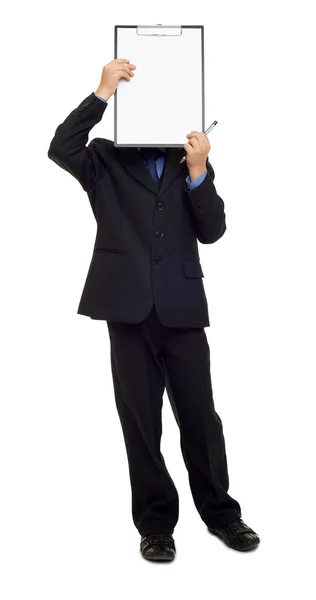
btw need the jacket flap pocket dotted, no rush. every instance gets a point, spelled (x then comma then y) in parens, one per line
(109, 251)
(192, 268)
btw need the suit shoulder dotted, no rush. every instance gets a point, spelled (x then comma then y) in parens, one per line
(101, 144)
(103, 147)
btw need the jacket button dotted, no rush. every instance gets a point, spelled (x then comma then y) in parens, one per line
(159, 234)
(158, 260)
(160, 205)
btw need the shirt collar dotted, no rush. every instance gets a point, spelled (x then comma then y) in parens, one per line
(163, 149)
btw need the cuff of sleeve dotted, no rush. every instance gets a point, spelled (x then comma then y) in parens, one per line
(193, 184)
(103, 99)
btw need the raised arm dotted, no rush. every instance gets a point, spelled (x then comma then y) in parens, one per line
(68, 148)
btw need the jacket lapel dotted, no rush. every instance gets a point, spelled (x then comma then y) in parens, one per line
(135, 165)
(172, 168)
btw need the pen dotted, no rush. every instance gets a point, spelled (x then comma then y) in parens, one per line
(207, 131)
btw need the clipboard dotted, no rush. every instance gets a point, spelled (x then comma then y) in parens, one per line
(165, 98)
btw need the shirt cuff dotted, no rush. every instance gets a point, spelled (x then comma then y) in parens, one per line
(193, 184)
(103, 99)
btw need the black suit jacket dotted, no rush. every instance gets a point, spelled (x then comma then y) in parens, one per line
(146, 247)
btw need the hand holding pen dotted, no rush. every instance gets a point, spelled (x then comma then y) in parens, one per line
(195, 145)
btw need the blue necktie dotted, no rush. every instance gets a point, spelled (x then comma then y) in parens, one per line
(150, 155)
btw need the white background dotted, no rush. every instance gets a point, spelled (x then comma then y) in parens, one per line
(66, 526)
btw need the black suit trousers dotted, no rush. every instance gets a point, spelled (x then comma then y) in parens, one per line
(146, 359)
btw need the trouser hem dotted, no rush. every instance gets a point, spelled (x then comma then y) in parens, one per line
(223, 519)
(151, 531)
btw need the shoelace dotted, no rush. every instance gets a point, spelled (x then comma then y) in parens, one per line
(154, 538)
(238, 527)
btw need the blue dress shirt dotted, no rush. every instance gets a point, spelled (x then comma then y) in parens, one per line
(160, 165)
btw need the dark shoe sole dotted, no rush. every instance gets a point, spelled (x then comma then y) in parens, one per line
(158, 558)
(250, 547)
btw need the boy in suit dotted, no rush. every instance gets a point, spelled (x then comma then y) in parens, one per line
(145, 280)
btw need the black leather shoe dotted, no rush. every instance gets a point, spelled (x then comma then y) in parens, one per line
(236, 535)
(158, 546)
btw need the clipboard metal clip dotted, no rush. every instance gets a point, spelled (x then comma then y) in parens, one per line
(158, 29)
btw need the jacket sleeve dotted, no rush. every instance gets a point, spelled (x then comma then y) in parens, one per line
(68, 147)
(207, 209)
